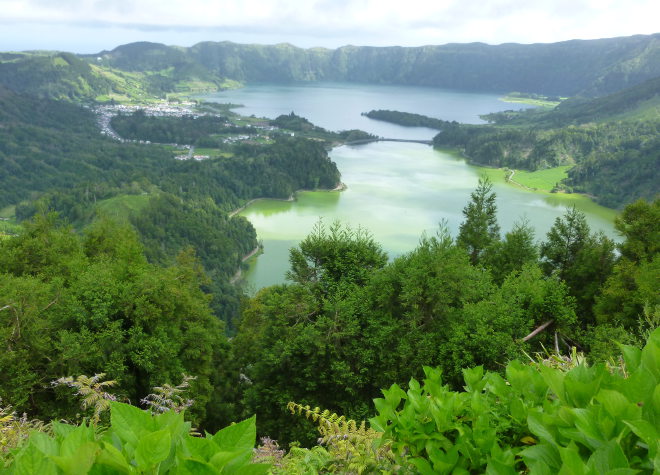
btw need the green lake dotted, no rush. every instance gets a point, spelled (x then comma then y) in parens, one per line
(397, 191)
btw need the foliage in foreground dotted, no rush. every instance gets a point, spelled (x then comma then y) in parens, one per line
(138, 442)
(588, 420)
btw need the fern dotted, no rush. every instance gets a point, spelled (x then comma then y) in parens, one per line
(350, 444)
(170, 398)
(92, 390)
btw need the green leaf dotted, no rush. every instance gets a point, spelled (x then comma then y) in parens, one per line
(645, 431)
(80, 461)
(423, 466)
(113, 458)
(536, 426)
(241, 436)
(581, 385)
(222, 459)
(443, 461)
(195, 467)
(198, 448)
(608, 457)
(554, 378)
(618, 405)
(394, 395)
(253, 469)
(61, 429)
(129, 422)
(44, 443)
(651, 355)
(30, 461)
(586, 422)
(544, 455)
(572, 463)
(632, 356)
(153, 448)
(474, 378)
(75, 439)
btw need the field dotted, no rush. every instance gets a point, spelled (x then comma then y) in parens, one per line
(123, 206)
(544, 180)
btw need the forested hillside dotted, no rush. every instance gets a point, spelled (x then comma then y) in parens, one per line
(54, 158)
(612, 141)
(480, 352)
(593, 67)
(455, 314)
(138, 70)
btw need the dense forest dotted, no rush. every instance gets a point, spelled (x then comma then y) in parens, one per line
(139, 70)
(124, 337)
(568, 68)
(348, 324)
(612, 142)
(53, 158)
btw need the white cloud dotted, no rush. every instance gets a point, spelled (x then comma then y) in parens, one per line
(327, 22)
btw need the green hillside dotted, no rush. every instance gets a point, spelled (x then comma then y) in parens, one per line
(590, 67)
(612, 142)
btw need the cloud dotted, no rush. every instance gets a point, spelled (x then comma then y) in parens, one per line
(335, 22)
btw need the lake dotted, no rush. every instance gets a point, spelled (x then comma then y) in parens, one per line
(397, 191)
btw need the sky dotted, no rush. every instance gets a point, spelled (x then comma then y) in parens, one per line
(90, 26)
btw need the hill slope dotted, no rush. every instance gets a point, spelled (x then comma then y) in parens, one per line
(592, 67)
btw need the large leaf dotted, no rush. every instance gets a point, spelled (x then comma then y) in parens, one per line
(198, 448)
(195, 467)
(75, 439)
(30, 461)
(221, 459)
(152, 449)
(582, 384)
(544, 455)
(113, 459)
(536, 426)
(44, 443)
(80, 461)
(129, 422)
(241, 436)
(651, 355)
(618, 405)
(608, 457)
(632, 356)
(253, 469)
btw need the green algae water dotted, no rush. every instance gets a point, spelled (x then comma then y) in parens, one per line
(397, 191)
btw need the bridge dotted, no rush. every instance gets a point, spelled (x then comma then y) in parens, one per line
(363, 141)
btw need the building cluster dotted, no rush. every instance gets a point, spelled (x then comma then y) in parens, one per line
(105, 113)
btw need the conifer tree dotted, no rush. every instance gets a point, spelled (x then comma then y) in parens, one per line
(480, 230)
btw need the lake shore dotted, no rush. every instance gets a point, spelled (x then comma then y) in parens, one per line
(340, 187)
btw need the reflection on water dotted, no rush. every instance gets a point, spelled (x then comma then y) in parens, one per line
(398, 191)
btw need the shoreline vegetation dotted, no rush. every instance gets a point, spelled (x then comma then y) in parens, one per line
(340, 187)
(537, 100)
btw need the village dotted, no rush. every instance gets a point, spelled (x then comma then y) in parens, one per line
(105, 113)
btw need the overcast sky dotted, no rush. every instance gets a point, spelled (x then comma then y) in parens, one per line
(88, 26)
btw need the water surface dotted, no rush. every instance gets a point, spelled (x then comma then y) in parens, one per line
(398, 191)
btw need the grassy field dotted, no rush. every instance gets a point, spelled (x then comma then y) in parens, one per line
(123, 206)
(544, 180)
(531, 101)
(212, 152)
(8, 211)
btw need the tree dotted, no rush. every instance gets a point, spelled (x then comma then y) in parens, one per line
(513, 252)
(632, 290)
(581, 259)
(96, 306)
(328, 259)
(480, 229)
(639, 224)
